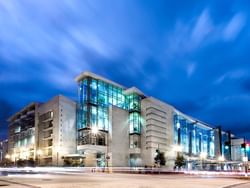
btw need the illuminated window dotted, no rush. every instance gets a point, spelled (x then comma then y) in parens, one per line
(134, 122)
(134, 141)
(18, 129)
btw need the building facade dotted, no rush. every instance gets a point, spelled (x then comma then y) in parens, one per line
(114, 126)
(21, 133)
(55, 131)
(120, 126)
(43, 132)
(3, 149)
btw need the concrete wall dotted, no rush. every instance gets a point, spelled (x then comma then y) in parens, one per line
(67, 124)
(157, 131)
(64, 129)
(119, 137)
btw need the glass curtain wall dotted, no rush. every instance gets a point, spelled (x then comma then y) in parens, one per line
(225, 150)
(95, 96)
(194, 138)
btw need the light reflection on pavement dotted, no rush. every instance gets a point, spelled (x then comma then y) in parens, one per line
(69, 179)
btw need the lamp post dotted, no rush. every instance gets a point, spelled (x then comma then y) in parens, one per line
(203, 156)
(58, 149)
(107, 152)
(95, 131)
(179, 159)
(221, 159)
(26, 155)
(245, 160)
(57, 158)
(39, 152)
(14, 157)
(7, 156)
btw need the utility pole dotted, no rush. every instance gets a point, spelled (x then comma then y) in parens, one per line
(245, 160)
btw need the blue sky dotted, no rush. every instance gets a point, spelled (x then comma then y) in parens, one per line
(191, 54)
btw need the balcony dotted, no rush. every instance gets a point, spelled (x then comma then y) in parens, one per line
(31, 112)
(47, 128)
(17, 120)
(47, 137)
(46, 120)
(23, 116)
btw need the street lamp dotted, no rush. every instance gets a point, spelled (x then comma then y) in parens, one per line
(221, 159)
(57, 155)
(203, 155)
(26, 154)
(177, 148)
(39, 152)
(7, 156)
(107, 151)
(245, 160)
(14, 158)
(94, 130)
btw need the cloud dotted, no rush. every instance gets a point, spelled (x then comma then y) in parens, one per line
(154, 46)
(234, 27)
(191, 69)
(232, 75)
(92, 41)
(202, 27)
(190, 35)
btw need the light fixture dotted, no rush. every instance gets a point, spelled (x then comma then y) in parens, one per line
(221, 158)
(203, 155)
(94, 130)
(245, 159)
(177, 148)
(39, 152)
(7, 156)
(178, 125)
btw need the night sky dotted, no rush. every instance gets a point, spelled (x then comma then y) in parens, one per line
(192, 54)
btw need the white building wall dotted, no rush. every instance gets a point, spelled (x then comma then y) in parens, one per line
(157, 131)
(119, 137)
(64, 130)
(67, 127)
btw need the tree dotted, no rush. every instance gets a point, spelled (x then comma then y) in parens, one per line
(180, 161)
(160, 158)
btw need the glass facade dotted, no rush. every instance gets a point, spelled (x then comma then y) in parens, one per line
(95, 97)
(193, 138)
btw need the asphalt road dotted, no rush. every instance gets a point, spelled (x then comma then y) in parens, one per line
(103, 180)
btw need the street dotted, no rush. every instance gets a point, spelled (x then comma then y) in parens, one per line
(115, 180)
